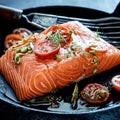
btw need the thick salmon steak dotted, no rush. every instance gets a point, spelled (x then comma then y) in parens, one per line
(59, 56)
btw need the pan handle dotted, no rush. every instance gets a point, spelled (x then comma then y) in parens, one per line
(10, 13)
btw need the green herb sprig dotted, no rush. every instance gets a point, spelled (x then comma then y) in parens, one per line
(75, 96)
(56, 38)
(97, 34)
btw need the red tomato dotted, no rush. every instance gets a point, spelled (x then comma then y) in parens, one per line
(116, 82)
(22, 32)
(46, 49)
(63, 31)
(95, 93)
(11, 39)
(17, 34)
(51, 40)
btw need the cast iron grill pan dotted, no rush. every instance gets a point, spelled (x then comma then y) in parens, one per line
(109, 29)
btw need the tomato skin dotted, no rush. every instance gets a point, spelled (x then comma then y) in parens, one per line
(45, 49)
(17, 34)
(24, 32)
(116, 82)
(64, 31)
(95, 93)
(51, 40)
(13, 37)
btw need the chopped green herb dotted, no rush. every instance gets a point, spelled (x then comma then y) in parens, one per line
(75, 93)
(70, 53)
(94, 70)
(95, 60)
(20, 51)
(74, 46)
(23, 49)
(17, 58)
(92, 52)
(58, 57)
(101, 93)
(85, 94)
(30, 50)
(97, 34)
(56, 37)
(70, 31)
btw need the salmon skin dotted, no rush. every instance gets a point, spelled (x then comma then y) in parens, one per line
(84, 54)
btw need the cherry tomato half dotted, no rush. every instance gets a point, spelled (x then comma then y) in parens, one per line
(60, 32)
(10, 39)
(24, 32)
(95, 93)
(46, 49)
(116, 82)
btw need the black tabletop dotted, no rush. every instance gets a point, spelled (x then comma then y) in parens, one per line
(10, 112)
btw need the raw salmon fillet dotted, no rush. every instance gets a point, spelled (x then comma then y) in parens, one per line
(84, 56)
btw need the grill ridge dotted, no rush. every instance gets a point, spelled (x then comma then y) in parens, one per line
(108, 27)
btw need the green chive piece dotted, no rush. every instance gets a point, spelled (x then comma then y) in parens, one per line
(85, 94)
(94, 70)
(17, 58)
(97, 34)
(92, 52)
(101, 93)
(70, 31)
(30, 50)
(20, 51)
(75, 93)
(17, 50)
(74, 46)
(95, 60)
(57, 57)
(23, 49)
